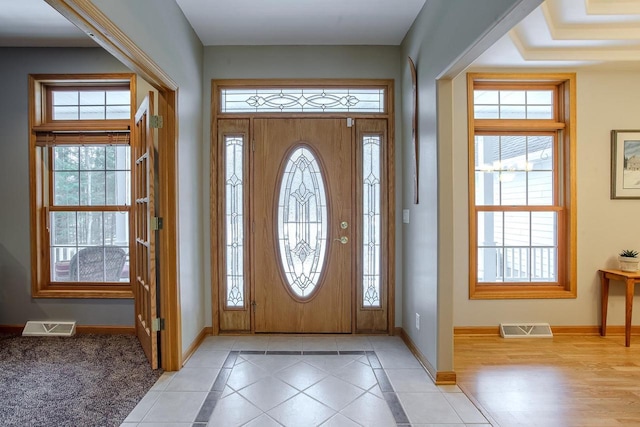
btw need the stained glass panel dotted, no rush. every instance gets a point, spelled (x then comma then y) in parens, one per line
(234, 220)
(371, 210)
(302, 222)
(307, 100)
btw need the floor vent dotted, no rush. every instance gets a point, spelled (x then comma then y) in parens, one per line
(49, 329)
(525, 330)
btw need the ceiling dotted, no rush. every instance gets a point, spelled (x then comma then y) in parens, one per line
(560, 33)
(310, 22)
(572, 33)
(33, 23)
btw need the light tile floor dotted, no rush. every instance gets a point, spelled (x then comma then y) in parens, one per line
(302, 381)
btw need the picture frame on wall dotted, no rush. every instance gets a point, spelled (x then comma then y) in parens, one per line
(625, 164)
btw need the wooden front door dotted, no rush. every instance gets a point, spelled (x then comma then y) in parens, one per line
(303, 238)
(144, 280)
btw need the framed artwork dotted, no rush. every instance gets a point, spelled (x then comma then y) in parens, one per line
(625, 164)
(414, 132)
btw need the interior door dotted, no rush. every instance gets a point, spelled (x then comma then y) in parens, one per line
(303, 231)
(145, 264)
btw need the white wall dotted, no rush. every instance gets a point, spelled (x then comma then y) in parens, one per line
(160, 29)
(606, 101)
(16, 304)
(300, 62)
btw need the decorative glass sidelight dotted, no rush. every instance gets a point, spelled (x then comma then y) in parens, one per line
(234, 220)
(371, 227)
(302, 222)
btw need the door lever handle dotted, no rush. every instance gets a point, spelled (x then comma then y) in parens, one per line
(344, 240)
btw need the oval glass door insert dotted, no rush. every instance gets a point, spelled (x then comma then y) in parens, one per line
(302, 222)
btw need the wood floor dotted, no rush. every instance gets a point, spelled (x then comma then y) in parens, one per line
(563, 381)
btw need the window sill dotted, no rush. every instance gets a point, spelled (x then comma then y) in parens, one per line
(101, 292)
(495, 292)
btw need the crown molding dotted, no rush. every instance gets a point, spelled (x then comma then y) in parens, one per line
(579, 32)
(600, 54)
(613, 7)
(612, 31)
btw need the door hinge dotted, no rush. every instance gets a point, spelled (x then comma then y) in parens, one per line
(253, 145)
(253, 305)
(156, 223)
(158, 324)
(156, 122)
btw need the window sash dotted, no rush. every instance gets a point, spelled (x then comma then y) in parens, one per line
(82, 88)
(514, 245)
(61, 258)
(501, 166)
(117, 190)
(84, 235)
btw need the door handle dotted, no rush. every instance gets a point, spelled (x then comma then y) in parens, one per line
(344, 240)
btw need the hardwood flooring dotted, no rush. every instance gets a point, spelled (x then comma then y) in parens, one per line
(563, 381)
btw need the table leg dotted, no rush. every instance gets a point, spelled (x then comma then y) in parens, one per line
(629, 308)
(604, 301)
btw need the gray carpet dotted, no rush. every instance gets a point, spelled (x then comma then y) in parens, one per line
(86, 380)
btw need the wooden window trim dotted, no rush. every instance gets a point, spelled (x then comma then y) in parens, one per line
(565, 203)
(39, 179)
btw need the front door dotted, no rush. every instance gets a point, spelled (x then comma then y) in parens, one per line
(302, 211)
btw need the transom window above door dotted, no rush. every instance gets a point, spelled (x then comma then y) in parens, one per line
(316, 99)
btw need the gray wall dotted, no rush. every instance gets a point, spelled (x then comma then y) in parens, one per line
(16, 304)
(160, 29)
(441, 38)
(301, 62)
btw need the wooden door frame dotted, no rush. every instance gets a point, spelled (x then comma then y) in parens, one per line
(216, 187)
(86, 16)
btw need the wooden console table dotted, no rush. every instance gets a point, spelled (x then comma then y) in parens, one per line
(629, 278)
